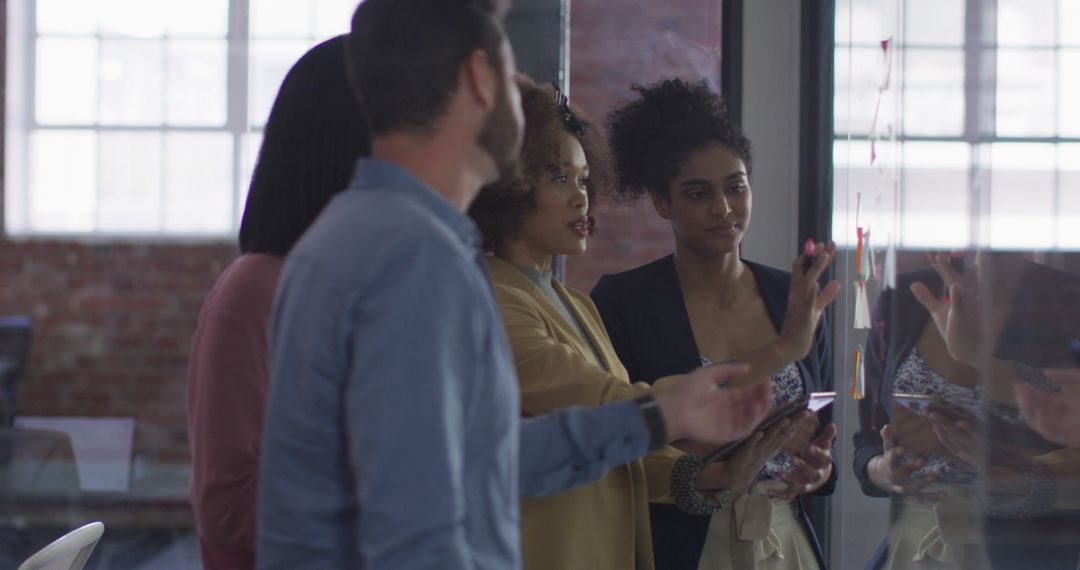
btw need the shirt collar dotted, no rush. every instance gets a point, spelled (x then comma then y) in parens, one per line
(373, 174)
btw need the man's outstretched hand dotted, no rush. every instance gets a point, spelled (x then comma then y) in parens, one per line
(700, 408)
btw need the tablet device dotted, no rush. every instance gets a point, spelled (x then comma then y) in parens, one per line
(820, 400)
(923, 404)
(815, 402)
(917, 403)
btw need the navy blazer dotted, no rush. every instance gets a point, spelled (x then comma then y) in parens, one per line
(898, 320)
(645, 316)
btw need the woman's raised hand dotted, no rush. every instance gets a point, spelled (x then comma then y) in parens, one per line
(807, 300)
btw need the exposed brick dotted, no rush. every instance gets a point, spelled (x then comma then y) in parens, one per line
(614, 43)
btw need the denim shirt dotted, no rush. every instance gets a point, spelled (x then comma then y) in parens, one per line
(393, 436)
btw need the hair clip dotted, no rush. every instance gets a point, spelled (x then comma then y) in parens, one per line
(570, 120)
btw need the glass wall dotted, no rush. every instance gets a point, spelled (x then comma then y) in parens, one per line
(953, 190)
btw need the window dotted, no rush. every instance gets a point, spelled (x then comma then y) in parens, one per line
(143, 117)
(909, 175)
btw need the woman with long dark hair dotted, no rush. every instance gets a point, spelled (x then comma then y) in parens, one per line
(313, 138)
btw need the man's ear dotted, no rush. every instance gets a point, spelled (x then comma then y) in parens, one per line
(662, 205)
(479, 78)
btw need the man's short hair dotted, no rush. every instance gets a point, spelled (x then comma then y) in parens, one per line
(405, 56)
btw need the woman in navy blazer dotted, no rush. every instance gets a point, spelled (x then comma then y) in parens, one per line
(706, 304)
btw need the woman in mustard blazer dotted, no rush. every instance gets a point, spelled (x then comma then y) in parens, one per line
(562, 353)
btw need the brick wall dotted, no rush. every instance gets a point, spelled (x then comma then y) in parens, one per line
(112, 329)
(613, 44)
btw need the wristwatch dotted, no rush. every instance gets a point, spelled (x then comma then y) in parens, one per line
(654, 421)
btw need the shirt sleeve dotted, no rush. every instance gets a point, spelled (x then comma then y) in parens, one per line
(413, 352)
(228, 383)
(577, 446)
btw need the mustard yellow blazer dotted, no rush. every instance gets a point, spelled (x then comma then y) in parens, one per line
(604, 525)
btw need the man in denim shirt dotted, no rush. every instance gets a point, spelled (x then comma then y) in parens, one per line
(393, 435)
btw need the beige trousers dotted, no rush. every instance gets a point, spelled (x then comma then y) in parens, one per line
(757, 533)
(940, 536)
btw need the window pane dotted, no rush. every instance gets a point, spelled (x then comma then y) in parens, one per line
(133, 18)
(333, 17)
(66, 66)
(935, 206)
(857, 84)
(66, 16)
(1069, 83)
(1069, 22)
(198, 182)
(280, 18)
(1022, 195)
(62, 196)
(130, 192)
(197, 18)
(1026, 22)
(934, 92)
(864, 195)
(934, 22)
(270, 61)
(1068, 221)
(196, 91)
(864, 22)
(1025, 92)
(131, 82)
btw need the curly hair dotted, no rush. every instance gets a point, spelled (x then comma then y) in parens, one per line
(500, 209)
(651, 136)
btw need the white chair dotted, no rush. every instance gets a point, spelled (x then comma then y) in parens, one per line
(69, 552)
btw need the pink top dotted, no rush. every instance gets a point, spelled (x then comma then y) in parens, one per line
(228, 380)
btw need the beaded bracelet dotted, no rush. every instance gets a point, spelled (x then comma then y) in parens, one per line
(1040, 498)
(683, 494)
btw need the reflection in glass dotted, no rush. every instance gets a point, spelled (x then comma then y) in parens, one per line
(934, 92)
(198, 182)
(195, 83)
(62, 199)
(66, 66)
(131, 82)
(129, 196)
